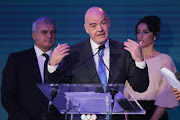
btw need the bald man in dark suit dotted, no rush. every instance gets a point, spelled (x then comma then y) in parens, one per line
(125, 61)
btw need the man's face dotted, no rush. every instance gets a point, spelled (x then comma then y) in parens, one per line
(45, 36)
(97, 26)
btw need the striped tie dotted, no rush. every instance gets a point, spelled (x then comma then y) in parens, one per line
(102, 69)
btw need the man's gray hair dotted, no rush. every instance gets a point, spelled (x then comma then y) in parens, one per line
(42, 19)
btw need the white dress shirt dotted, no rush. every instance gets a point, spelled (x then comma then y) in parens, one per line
(106, 56)
(41, 59)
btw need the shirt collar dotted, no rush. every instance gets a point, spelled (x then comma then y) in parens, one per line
(95, 46)
(39, 52)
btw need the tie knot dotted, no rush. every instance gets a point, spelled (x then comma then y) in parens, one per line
(46, 56)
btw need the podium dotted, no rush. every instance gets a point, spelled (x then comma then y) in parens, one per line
(77, 99)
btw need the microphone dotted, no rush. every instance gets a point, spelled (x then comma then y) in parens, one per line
(54, 90)
(101, 47)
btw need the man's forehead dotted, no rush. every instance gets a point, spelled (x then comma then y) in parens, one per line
(96, 18)
(45, 26)
(97, 21)
(96, 15)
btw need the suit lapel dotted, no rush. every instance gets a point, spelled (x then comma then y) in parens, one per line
(89, 66)
(35, 66)
(114, 56)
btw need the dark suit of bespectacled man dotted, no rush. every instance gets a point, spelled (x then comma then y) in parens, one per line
(21, 97)
(125, 61)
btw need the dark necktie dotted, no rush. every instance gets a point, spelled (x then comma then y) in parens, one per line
(45, 67)
(102, 69)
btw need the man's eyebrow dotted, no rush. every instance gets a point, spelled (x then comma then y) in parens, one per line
(43, 30)
(96, 23)
(104, 20)
(93, 24)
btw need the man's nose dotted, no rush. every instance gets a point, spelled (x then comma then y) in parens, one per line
(100, 29)
(49, 35)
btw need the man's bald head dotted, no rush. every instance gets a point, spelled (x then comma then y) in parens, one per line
(94, 11)
(97, 25)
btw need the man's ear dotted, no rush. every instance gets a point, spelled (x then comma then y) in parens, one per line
(86, 29)
(33, 35)
(109, 22)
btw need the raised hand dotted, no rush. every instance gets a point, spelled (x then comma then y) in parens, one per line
(176, 93)
(135, 49)
(61, 51)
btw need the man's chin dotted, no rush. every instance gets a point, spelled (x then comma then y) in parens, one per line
(103, 40)
(48, 47)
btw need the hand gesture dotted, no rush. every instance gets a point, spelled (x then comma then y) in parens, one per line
(176, 93)
(135, 49)
(61, 51)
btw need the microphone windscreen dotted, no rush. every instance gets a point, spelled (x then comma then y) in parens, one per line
(101, 47)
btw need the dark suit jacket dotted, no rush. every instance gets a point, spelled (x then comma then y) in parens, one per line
(21, 97)
(73, 69)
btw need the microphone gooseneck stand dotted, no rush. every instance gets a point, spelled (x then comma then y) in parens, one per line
(112, 91)
(54, 92)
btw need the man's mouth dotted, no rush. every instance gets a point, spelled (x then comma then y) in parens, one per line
(49, 40)
(101, 34)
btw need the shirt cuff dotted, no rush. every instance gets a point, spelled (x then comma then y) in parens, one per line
(51, 69)
(140, 65)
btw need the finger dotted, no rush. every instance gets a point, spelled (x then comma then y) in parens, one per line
(58, 44)
(64, 51)
(177, 96)
(128, 49)
(140, 43)
(133, 42)
(65, 44)
(62, 48)
(132, 47)
(127, 44)
(62, 45)
(174, 89)
(175, 93)
(64, 55)
(56, 49)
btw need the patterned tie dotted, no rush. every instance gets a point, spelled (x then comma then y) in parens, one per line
(102, 69)
(45, 67)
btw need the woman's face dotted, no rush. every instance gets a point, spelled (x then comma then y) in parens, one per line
(144, 35)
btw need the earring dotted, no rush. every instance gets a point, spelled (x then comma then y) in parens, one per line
(154, 41)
